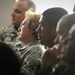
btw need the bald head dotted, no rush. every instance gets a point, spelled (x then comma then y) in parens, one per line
(65, 23)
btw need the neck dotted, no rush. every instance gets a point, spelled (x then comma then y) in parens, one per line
(16, 28)
(30, 39)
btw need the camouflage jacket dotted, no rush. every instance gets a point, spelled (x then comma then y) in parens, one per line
(10, 36)
(30, 56)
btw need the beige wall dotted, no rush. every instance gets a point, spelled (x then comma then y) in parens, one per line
(6, 7)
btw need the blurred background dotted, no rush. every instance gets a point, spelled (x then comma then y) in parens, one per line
(6, 7)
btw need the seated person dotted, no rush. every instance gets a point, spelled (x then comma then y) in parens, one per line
(63, 27)
(33, 50)
(47, 33)
(69, 54)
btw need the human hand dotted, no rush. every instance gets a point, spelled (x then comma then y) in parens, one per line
(50, 57)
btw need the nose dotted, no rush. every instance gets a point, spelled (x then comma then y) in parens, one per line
(12, 14)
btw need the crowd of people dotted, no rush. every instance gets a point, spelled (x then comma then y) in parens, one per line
(38, 43)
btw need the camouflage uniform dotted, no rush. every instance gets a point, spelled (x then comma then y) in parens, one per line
(30, 56)
(9, 35)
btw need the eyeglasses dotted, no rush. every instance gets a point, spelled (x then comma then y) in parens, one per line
(41, 23)
(41, 26)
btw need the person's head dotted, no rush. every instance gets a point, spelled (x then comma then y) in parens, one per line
(19, 9)
(27, 30)
(63, 27)
(9, 61)
(48, 21)
(69, 54)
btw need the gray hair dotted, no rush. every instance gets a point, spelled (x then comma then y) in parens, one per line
(31, 5)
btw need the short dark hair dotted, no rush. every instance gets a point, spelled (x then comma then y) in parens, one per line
(52, 15)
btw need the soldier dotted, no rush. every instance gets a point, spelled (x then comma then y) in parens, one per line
(69, 55)
(34, 50)
(62, 29)
(47, 33)
(9, 33)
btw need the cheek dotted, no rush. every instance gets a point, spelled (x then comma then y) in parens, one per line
(25, 31)
(44, 31)
(43, 34)
(20, 18)
(65, 50)
(69, 52)
(22, 31)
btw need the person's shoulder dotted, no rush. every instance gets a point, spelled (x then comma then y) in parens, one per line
(6, 29)
(10, 33)
(36, 50)
(38, 47)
